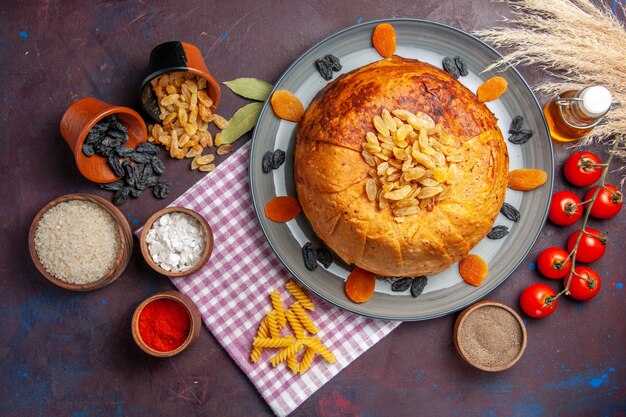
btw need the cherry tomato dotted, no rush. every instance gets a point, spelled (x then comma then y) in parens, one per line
(579, 171)
(608, 203)
(585, 283)
(538, 301)
(592, 245)
(552, 263)
(565, 208)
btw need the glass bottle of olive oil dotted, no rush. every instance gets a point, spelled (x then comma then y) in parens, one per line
(573, 114)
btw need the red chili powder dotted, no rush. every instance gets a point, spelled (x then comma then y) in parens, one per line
(164, 324)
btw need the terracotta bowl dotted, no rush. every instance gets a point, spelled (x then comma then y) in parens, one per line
(208, 247)
(78, 120)
(463, 350)
(175, 56)
(194, 328)
(123, 256)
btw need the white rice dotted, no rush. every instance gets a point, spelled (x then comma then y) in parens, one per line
(77, 241)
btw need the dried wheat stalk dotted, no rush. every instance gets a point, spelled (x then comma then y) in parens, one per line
(578, 43)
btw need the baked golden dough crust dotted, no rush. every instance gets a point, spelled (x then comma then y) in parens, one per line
(330, 172)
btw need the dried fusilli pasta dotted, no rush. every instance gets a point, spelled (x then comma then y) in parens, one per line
(272, 323)
(300, 295)
(286, 352)
(304, 318)
(263, 331)
(277, 303)
(295, 324)
(292, 363)
(316, 344)
(272, 342)
(306, 360)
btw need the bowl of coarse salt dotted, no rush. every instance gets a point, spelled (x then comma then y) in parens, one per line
(176, 241)
(80, 242)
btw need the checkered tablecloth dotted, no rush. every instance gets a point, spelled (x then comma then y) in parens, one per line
(232, 291)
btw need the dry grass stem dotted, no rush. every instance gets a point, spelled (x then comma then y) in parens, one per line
(577, 42)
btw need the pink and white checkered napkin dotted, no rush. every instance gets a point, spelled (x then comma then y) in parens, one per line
(232, 290)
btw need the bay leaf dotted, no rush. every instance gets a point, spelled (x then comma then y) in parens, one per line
(242, 121)
(251, 88)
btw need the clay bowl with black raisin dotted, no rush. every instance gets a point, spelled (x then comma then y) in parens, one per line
(78, 120)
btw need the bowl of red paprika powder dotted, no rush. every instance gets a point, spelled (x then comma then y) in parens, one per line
(166, 323)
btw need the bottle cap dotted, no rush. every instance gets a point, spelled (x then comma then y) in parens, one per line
(595, 101)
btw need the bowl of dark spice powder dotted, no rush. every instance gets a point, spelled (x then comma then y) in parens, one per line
(80, 242)
(490, 336)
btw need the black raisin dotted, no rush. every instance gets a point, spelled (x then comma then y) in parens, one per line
(266, 164)
(147, 148)
(88, 150)
(135, 192)
(151, 181)
(137, 172)
(93, 137)
(461, 66)
(162, 189)
(140, 158)
(510, 212)
(324, 69)
(116, 166)
(516, 124)
(278, 158)
(498, 232)
(117, 136)
(117, 125)
(103, 149)
(324, 257)
(333, 62)
(418, 284)
(157, 165)
(401, 284)
(310, 256)
(450, 67)
(521, 136)
(123, 151)
(112, 186)
(121, 196)
(128, 167)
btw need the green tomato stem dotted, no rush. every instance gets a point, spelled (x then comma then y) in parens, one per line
(605, 171)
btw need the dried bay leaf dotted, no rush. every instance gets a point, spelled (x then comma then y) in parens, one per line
(242, 121)
(251, 88)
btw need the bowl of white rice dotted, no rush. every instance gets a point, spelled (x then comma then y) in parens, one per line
(80, 242)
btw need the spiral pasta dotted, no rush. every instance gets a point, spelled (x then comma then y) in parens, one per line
(306, 360)
(272, 324)
(292, 363)
(272, 342)
(318, 347)
(300, 295)
(268, 334)
(304, 318)
(263, 331)
(296, 326)
(285, 353)
(277, 303)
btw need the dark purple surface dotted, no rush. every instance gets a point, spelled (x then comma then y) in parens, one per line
(72, 354)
